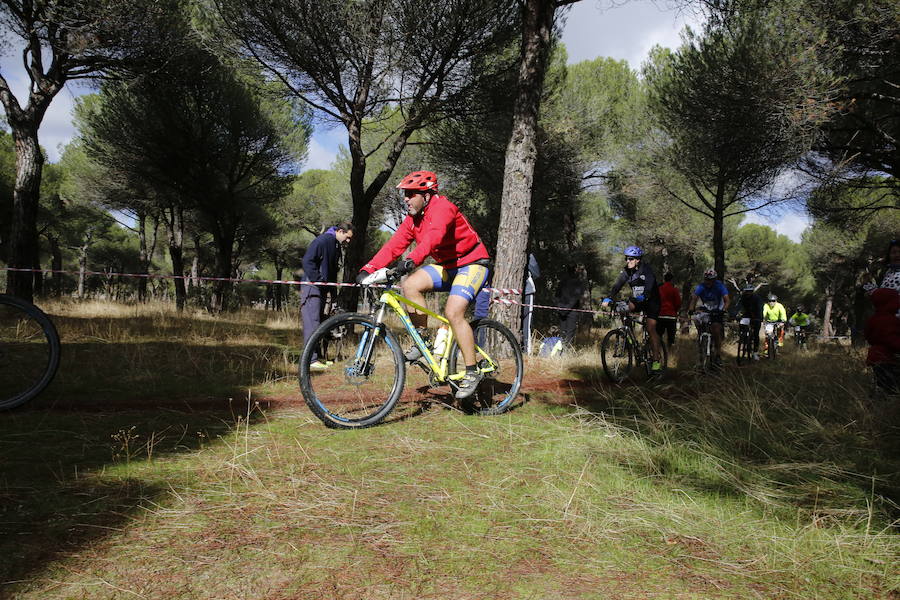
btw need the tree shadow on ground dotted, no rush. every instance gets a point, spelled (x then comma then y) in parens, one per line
(111, 404)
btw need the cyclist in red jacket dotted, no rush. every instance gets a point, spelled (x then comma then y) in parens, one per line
(461, 266)
(669, 305)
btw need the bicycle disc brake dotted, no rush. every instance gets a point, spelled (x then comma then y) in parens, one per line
(357, 374)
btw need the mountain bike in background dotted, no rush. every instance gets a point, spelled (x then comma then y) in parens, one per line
(621, 351)
(773, 334)
(29, 351)
(745, 342)
(800, 337)
(707, 360)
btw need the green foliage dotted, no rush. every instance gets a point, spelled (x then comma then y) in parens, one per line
(600, 109)
(759, 255)
(843, 257)
(736, 110)
(851, 202)
(204, 138)
(860, 46)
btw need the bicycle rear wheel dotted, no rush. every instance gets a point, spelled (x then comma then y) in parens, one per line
(616, 354)
(743, 349)
(365, 376)
(29, 351)
(499, 358)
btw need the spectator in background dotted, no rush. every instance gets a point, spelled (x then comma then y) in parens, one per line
(320, 264)
(669, 304)
(568, 297)
(532, 272)
(883, 335)
(891, 276)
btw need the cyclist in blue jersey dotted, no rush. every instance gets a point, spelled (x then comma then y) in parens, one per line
(713, 294)
(644, 296)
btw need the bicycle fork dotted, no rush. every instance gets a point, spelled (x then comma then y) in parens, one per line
(366, 346)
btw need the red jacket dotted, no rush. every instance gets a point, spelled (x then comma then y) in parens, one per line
(440, 231)
(883, 328)
(669, 300)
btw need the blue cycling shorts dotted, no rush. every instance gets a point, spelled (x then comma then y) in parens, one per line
(464, 281)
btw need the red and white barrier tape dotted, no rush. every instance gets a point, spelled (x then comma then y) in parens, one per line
(516, 302)
(499, 291)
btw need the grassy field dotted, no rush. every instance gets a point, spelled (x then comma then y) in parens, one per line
(173, 457)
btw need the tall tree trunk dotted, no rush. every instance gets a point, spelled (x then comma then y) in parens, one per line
(827, 329)
(82, 265)
(279, 288)
(224, 268)
(362, 213)
(719, 231)
(521, 155)
(195, 264)
(56, 263)
(175, 226)
(144, 259)
(38, 279)
(23, 244)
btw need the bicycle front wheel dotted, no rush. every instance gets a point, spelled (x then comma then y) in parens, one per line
(352, 372)
(498, 356)
(616, 355)
(704, 352)
(29, 351)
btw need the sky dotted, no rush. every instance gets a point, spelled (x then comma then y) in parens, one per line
(621, 29)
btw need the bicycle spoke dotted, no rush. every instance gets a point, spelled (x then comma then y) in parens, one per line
(616, 355)
(364, 375)
(499, 359)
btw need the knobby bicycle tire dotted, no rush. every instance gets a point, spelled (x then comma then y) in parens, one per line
(744, 352)
(352, 393)
(500, 386)
(616, 355)
(704, 351)
(773, 347)
(29, 351)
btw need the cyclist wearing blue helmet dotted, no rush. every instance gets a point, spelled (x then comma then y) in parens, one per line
(644, 295)
(713, 294)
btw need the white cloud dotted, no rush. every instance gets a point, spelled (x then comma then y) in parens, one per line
(323, 148)
(318, 156)
(56, 129)
(792, 224)
(624, 32)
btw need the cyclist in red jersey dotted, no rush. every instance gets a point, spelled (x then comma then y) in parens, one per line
(461, 266)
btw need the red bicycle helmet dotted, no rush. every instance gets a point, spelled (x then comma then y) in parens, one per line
(423, 181)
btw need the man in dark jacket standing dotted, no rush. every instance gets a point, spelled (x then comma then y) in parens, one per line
(320, 264)
(568, 297)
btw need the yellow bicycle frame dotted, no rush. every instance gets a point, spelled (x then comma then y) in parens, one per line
(439, 365)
